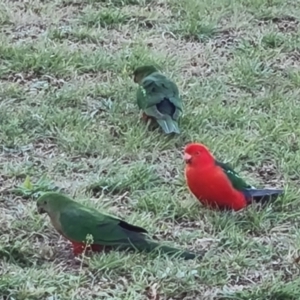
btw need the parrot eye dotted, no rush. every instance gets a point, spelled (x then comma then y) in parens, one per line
(45, 202)
(197, 153)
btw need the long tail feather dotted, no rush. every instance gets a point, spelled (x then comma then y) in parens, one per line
(262, 195)
(150, 246)
(173, 251)
(168, 125)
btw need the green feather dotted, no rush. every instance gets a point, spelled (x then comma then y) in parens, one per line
(168, 125)
(76, 221)
(250, 192)
(159, 98)
(236, 181)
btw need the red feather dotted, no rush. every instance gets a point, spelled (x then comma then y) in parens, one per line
(208, 182)
(78, 248)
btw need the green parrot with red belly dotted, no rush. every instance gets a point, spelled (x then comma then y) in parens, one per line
(75, 222)
(158, 97)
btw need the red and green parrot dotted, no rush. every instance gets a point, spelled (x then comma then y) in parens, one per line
(75, 222)
(158, 97)
(216, 185)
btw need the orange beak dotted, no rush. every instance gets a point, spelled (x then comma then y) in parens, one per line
(187, 158)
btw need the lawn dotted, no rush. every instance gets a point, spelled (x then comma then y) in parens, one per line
(69, 121)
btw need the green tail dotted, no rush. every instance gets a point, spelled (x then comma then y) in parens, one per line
(173, 251)
(150, 246)
(168, 125)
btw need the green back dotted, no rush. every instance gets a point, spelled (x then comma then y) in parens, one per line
(78, 221)
(236, 181)
(154, 89)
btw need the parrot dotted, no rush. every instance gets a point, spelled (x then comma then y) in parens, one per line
(158, 97)
(218, 186)
(75, 222)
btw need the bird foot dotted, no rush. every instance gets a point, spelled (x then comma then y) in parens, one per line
(145, 117)
(81, 248)
(78, 249)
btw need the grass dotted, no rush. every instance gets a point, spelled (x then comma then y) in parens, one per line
(69, 121)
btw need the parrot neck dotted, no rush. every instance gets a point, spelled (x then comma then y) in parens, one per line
(54, 217)
(139, 78)
(200, 164)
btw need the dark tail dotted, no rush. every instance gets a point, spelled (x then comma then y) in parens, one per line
(262, 195)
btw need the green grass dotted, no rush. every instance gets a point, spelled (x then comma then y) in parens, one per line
(68, 119)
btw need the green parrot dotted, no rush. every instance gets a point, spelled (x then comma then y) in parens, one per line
(158, 97)
(75, 222)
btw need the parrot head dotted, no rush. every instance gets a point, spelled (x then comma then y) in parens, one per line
(51, 202)
(141, 72)
(197, 154)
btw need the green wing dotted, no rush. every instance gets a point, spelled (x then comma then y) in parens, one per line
(236, 181)
(78, 221)
(153, 90)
